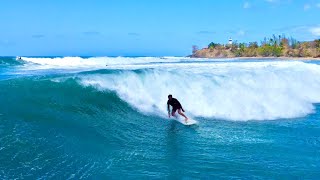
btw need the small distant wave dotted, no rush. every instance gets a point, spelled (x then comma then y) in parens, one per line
(103, 62)
(10, 61)
(93, 62)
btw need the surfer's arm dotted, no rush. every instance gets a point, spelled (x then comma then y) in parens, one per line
(168, 110)
(182, 109)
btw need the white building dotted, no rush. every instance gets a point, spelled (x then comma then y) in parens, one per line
(230, 41)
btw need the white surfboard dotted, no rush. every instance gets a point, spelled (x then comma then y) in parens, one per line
(184, 122)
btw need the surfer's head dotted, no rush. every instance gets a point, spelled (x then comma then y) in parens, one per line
(169, 96)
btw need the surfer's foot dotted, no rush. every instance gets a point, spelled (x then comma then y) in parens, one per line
(186, 119)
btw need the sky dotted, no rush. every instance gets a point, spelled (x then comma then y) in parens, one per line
(147, 27)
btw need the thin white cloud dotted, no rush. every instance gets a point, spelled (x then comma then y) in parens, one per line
(38, 36)
(315, 31)
(6, 43)
(271, 1)
(91, 33)
(241, 33)
(303, 31)
(306, 7)
(133, 34)
(246, 5)
(206, 32)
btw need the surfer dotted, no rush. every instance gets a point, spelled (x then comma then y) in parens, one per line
(175, 106)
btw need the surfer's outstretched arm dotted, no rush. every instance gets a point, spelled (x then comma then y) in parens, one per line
(168, 110)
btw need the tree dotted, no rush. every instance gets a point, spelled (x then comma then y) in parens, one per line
(253, 45)
(194, 49)
(293, 43)
(284, 42)
(213, 45)
(317, 43)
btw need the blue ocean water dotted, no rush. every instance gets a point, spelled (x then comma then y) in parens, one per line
(103, 117)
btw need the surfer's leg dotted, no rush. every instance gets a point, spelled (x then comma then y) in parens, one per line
(179, 111)
(173, 112)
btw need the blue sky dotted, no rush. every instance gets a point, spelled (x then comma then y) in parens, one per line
(147, 27)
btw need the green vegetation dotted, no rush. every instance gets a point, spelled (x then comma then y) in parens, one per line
(276, 46)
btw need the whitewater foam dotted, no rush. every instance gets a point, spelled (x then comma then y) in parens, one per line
(95, 62)
(233, 91)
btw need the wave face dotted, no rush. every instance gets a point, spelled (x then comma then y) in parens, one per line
(9, 61)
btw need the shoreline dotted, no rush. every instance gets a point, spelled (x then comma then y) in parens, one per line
(264, 58)
(282, 58)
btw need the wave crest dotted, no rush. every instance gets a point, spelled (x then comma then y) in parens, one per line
(244, 92)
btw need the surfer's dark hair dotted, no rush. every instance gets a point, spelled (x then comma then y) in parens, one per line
(169, 95)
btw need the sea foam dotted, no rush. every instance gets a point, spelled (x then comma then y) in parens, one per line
(226, 90)
(93, 62)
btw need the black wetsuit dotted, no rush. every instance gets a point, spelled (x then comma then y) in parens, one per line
(175, 104)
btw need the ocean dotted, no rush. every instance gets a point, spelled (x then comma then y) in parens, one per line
(106, 118)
